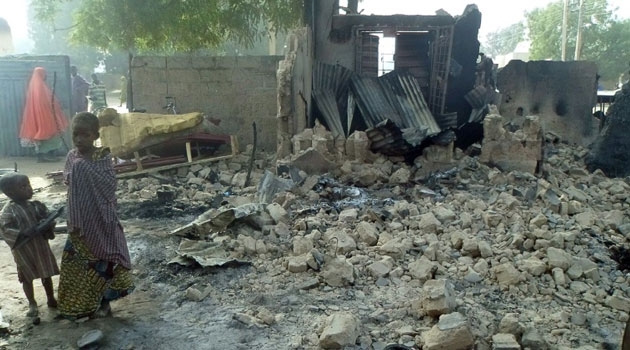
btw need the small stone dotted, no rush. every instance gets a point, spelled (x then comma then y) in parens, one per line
(618, 303)
(470, 247)
(302, 245)
(559, 258)
(438, 298)
(348, 215)
(509, 324)
(533, 340)
(400, 176)
(452, 332)
(485, 250)
(444, 215)
(422, 269)
(310, 283)
(534, 266)
(194, 294)
(338, 272)
(578, 319)
(277, 213)
(507, 274)
(380, 269)
(342, 330)
(90, 338)
(429, 223)
(473, 276)
(298, 264)
(367, 233)
(504, 341)
(538, 221)
(558, 276)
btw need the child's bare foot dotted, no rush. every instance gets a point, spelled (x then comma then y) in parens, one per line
(32, 310)
(52, 303)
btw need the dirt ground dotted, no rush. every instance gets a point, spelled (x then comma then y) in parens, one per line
(157, 315)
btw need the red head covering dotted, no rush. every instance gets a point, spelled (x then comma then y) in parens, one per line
(38, 120)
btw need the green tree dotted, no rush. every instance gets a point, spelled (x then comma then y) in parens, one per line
(173, 25)
(51, 38)
(606, 40)
(505, 40)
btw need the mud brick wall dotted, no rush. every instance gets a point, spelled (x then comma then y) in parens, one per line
(236, 90)
(561, 93)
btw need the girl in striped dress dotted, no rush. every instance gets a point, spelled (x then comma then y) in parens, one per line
(95, 266)
(34, 259)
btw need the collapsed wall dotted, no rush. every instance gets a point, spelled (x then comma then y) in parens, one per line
(562, 94)
(611, 150)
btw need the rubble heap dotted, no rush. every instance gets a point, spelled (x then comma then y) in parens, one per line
(370, 253)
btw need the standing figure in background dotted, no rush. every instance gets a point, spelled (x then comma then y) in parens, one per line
(123, 91)
(97, 95)
(80, 88)
(43, 120)
(485, 71)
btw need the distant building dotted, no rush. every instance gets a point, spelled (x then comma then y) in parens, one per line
(521, 52)
(6, 40)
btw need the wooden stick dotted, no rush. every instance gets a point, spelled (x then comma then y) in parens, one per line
(172, 166)
(251, 158)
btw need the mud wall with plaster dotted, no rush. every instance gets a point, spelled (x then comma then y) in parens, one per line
(561, 93)
(235, 90)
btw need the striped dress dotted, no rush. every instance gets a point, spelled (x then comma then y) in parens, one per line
(34, 259)
(95, 263)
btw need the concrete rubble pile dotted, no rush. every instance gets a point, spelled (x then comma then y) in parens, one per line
(360, 252)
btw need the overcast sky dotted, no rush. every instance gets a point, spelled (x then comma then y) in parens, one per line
(496, 13)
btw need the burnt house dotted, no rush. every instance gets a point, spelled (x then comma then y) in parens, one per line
(335, 73)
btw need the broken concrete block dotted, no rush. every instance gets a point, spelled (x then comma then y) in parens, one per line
(507, 274)
(559, 258)
(380, 268)
(429, 223)
(298, 264)
(400, 176)
(438, 297)
(302, 245)
(342, 329)
(348, 215)
(504, 341)
(270, 185)
(312, 162)
(510, 324)
(618, 303)
(444, 215)
(512, 151)
(366, 233)
(338, 272)
(533, 340)
(278, 213)
(534, 266)
(422, 269)
(342, 242)
(451, 333)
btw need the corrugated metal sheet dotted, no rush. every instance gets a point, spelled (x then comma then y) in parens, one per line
(327, 106)
(403, 90)
(330, 92)
(15, 73)
(372, 102)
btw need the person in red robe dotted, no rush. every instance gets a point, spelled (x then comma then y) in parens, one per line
(43, 120)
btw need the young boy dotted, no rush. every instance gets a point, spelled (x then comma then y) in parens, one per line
(34, 259)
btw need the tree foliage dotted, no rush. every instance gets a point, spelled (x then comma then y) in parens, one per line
(173, 25)
(606, 40)
(505, 40)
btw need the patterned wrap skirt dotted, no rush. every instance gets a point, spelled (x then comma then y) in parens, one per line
(85, 281)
